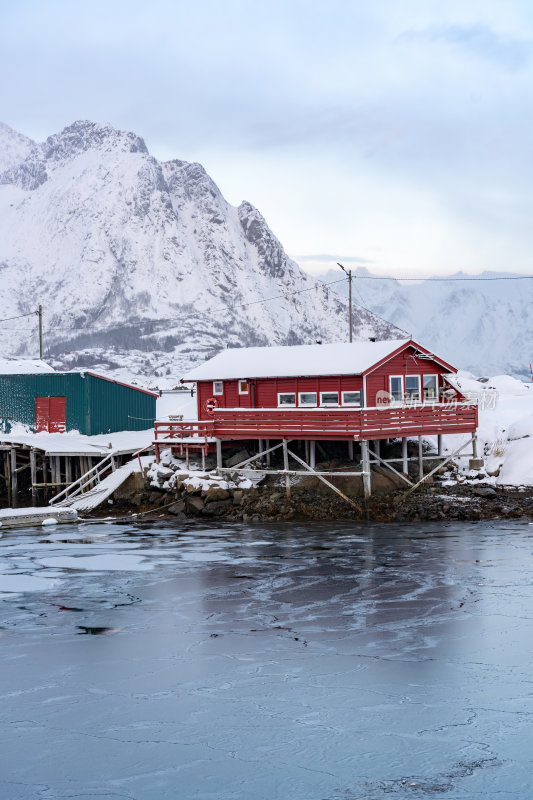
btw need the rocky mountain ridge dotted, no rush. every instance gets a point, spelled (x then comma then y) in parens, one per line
(142, 267)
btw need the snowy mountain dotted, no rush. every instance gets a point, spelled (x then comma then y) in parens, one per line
(482, 325)
(13, 147)
(142, 268)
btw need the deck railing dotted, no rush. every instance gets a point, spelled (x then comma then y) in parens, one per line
(323, 424)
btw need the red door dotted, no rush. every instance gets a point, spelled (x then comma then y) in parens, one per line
(51, 414)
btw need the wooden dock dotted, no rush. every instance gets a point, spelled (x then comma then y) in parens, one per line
(30, 517)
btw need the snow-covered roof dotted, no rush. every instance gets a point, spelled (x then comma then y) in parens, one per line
(342, 358)
(14, 366)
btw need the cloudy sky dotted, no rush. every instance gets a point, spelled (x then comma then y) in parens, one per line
(394, 134)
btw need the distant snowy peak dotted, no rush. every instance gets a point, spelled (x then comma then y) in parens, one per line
(477, 322)
(14, 147)
(83, 135)
(39, 160)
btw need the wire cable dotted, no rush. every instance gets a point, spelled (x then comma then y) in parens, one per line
(432, 280)
(103, 328)
(30, 314)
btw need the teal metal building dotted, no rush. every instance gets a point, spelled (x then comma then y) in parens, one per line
(74, 401)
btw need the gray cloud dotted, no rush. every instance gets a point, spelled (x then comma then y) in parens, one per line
(480, 40)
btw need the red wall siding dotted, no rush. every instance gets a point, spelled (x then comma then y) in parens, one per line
(267, 389)
(229, 399)
(402, 364)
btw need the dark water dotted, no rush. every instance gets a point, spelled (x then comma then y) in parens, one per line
(299, 662)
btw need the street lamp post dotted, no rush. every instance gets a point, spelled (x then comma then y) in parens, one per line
(349, 275)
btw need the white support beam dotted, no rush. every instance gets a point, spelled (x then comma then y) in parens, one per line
(219, 454)
(286, 468)
(367, 481)
(320, 477)
(433, 471)
(386, 464)
(405, 460)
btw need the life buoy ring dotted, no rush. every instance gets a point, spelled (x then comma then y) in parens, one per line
(210, 405)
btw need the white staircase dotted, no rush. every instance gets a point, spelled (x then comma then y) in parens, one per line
(97, 485)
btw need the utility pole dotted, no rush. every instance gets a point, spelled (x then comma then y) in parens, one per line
(349, 274)
(40, 314)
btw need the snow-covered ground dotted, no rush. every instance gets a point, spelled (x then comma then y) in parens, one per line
(505, 432)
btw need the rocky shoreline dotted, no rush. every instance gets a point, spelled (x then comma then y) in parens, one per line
(172, 492)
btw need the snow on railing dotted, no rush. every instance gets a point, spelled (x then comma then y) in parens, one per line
(323, 423)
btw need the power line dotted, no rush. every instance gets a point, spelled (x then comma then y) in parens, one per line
(287, 294)
(30, 314)
(431, 280)
(103, 328)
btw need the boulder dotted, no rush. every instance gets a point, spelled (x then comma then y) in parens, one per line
(215, 493)
(216, 508)
(178, 509)
(194, 504)
(485, 491)
(237, 496)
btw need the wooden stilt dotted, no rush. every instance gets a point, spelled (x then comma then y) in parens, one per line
(286, 467)
(219, 454)
(350, 450)
(405, 467)
(8, 478)
(474, 445)
(439, 444)
(320, 477)
(267, 443)
(307, 451)
(367, 482)
(312, 454)
(420, 459)
(14, 487)
(434, 470)
(33, 471)
(389, 466)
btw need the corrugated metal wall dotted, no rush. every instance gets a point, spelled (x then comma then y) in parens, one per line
(94, 405)
(115, 407)
(18, 393)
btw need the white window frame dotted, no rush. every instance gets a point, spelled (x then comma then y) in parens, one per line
(329, 405)
(351, 391)
(287, 405)
(431, 399)
(402, 388)
(419, 399)
(243, 380)
(218, 388)
(307, 405)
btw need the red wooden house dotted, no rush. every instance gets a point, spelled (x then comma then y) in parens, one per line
(343, 392)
